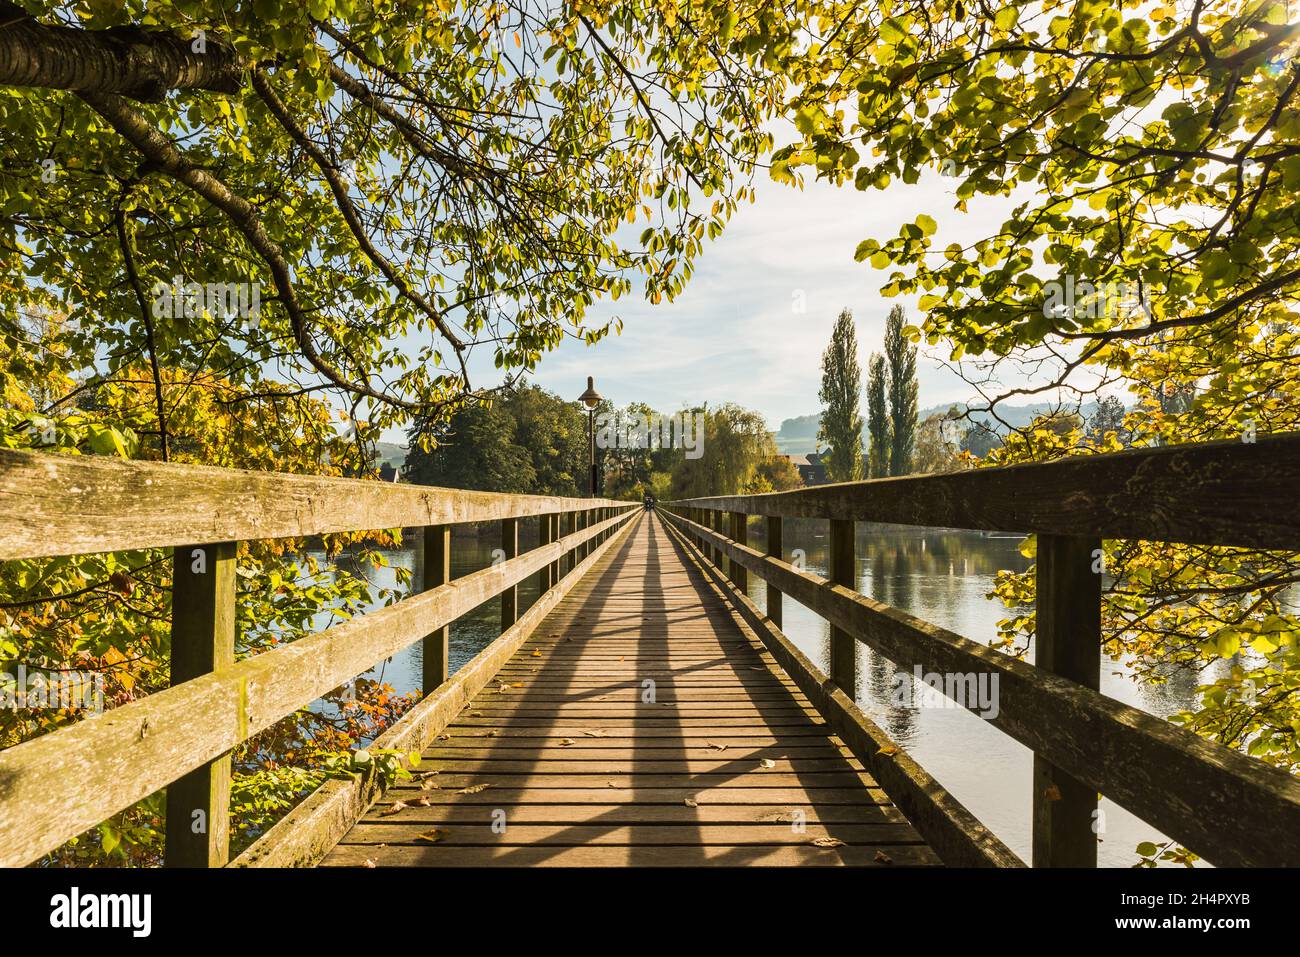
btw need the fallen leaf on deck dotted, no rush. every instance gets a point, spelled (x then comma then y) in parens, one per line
(1053, 793)
(827, 842)
(567, 742)
(888, 751)
(394, 808)
(536, 653)
(883, 858)
(595, 734)
(433, 836)
(691, 803)
(767, 763)
(368, 863)
(717, 747)
(474, 789)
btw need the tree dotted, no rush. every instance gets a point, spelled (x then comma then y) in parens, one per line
(937, 443)
(900, 358)
(1109, 417)
(878, 425)
(1113, 118)
(400, 183)
(841, 420)
(737, 445)
(527, 441)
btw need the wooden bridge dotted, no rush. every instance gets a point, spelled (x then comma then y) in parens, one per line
(643, 711)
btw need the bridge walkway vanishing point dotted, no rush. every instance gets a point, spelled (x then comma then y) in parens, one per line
(643, 724)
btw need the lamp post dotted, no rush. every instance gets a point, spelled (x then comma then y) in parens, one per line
(591, 398)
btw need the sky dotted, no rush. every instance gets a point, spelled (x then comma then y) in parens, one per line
(734, 336)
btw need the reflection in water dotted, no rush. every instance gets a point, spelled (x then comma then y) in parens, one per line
(942, 576)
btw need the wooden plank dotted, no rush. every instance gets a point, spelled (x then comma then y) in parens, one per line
(134, 750)
(1208, 797)
(1067, 642)
(78, 504)
(202, 642)
(1213, 493)
(435, 571)
(804, 855)
(307, 832)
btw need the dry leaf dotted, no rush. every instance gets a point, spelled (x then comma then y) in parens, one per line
(717, 747)
(883, 858)
(598, 733)
(888, 751)
(395, 808)
(493, 733)
(368, 863)
(474, 789)
(432, 836)
(1053, 793)
(611, 784)
(567, 743)
(517, 684)
(503, 688)
(827, 842)
(690, 802)
(536, 653)
(767, 763)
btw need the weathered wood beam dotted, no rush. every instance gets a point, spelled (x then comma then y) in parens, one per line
(74, 505)
(1214, 493)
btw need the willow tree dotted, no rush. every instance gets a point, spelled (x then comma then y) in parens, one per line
(1153, 154)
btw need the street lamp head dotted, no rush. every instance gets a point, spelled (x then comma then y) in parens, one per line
(591, 398)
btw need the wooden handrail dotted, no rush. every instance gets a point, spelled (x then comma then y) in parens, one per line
(1231, 809)
(57, 785)
(80, 504)
(1215, 493)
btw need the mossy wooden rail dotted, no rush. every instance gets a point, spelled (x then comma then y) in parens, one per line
(1229, 808)
(54, 787)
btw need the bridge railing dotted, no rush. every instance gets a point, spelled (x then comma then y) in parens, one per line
(56, 786)
(1229, 808)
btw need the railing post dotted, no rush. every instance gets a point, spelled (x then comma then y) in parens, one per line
(544, 537)
(740, 535)
(1067, 643)
(715, 523)
(556, 532)
(203, 641)
(510, 596)
(435, 570)
(774, 550)
(843, 571)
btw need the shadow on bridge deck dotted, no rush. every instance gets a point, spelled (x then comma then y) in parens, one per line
(643, 724)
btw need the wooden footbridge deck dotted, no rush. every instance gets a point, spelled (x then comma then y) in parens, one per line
(643, 723)
(643, 710)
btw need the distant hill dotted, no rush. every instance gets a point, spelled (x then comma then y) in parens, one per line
(390, 453)
(798, 436)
